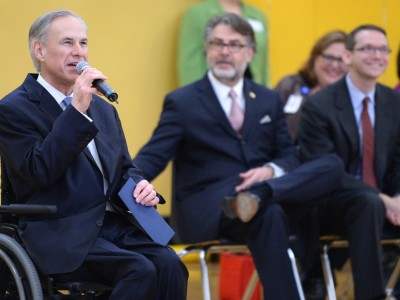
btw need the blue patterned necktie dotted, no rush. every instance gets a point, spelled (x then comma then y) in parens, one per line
(66, 102)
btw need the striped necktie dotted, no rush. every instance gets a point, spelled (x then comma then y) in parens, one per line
(66, 101)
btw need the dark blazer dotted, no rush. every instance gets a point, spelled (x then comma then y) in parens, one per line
(47, 160)
(208, 155)
(328, 125)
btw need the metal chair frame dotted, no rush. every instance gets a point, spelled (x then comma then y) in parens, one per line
(15, 261)
(219, 246)
(27, 283)
(329, 242)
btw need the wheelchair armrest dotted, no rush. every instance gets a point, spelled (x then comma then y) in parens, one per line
(28, 209)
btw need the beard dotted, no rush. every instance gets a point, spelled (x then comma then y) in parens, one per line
(224, 74)
(227, 74)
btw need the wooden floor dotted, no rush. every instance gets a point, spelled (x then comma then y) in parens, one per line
(195, 287)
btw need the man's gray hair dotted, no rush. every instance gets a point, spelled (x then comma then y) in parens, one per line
(236, 22)
(40, 28)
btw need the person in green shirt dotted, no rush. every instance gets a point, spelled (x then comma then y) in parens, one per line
(192, 64)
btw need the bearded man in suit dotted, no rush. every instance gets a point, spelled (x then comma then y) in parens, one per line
(228, 140)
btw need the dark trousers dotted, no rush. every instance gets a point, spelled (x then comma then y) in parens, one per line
(267, 234)
(358, 214)
(137, 268)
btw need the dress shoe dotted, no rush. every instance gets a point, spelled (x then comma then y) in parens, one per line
(243, 206)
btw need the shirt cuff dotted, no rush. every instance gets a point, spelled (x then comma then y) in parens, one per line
(277, 171)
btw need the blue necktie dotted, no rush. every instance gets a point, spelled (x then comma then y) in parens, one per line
(67, 101)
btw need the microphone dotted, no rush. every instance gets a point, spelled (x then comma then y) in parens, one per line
(99, 84)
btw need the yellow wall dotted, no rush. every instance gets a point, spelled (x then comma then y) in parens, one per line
(295, 25)
(134, 44)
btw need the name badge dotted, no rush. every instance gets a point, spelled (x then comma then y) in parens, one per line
(256, 25)
(293, 104)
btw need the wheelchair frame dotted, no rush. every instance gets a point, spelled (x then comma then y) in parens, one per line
(19, 278)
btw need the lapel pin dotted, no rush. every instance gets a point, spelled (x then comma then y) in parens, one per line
(252, 95)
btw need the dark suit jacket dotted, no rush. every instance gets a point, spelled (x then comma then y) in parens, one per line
(47, 160)
(328, 125)
(208, 155)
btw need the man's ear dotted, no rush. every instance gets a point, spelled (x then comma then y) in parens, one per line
(347, 57)
(250, 55)
(39, 51)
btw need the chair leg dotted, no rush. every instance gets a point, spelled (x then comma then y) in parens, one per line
(296, 274)
(251, 286)
(326, 266)
(252, 282)
(394, 277)
(204, 275)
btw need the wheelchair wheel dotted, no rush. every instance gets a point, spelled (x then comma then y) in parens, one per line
(18, 276)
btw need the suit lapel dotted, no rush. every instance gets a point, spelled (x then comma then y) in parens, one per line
(382, 131)
(251, 107)
(212, 105)
(49, 106)
(347, 120)
(105, 149)
(348, 124)
(37, 93)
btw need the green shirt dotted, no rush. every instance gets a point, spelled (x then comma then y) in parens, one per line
(192, 63)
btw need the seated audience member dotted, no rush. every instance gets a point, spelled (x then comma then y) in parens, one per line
(357, 119)
(324, 66)
(73, 154)
(228, 140)
(397, 88)
(192, 63)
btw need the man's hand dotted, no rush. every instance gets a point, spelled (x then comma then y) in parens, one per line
(392, 208)
(145, 194)
(83, 90)
(253, 176)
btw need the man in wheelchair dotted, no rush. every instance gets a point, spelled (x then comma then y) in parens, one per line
(73, 154)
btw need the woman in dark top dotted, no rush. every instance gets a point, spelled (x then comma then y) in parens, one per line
(397, 87)
(323, 67)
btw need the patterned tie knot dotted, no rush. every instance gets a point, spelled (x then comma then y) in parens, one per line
(67, 101)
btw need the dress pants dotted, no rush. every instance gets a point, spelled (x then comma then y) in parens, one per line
(267, 234)
(136, 267)
(358, 214)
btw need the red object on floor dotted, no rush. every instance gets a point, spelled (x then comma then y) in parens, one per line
(235, 273)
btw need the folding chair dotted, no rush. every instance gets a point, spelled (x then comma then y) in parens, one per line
(219, 246)
(331, 241)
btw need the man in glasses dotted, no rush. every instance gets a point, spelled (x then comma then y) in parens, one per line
(358, 119)
(226, 134)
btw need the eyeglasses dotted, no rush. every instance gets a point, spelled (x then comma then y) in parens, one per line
(233, 47)
(330, 59)
(371, 50)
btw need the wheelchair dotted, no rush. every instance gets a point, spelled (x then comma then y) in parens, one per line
(19, 278)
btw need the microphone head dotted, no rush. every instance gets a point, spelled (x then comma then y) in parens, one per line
(82, 65)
